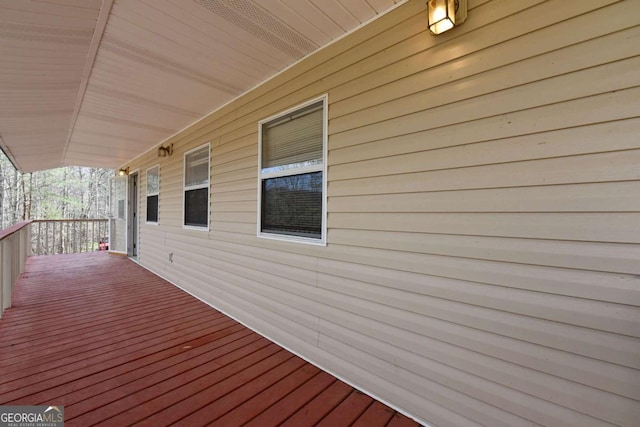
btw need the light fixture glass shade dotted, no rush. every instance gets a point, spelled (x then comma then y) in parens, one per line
(441, 15)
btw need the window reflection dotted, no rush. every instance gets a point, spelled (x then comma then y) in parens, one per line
(293, 205)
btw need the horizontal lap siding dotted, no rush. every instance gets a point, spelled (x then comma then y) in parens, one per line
(483, 252)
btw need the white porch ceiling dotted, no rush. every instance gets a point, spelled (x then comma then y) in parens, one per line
(97, 82)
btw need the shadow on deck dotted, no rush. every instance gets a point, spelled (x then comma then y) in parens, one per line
(117, 345)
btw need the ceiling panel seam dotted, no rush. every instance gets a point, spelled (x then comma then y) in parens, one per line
(101, 24)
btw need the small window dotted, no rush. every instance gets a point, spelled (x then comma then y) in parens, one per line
(292, 174)
(121, 209)
(153, 193)
(196, 187)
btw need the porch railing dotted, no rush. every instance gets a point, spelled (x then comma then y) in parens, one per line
(45, 237)
(14, 250)
(62, 236)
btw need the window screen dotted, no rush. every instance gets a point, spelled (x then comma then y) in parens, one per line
(152, 208)
(291, 174)
(196, 207)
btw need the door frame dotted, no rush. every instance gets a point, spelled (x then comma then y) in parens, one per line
(133, 214)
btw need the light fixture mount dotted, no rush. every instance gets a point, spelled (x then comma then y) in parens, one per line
(443, 15)
(165, 151)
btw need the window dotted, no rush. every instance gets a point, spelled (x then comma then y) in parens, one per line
(153, 192)
(196, 187)
(121, 209)
(292, 174)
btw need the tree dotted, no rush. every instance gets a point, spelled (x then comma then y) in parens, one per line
(63, 193)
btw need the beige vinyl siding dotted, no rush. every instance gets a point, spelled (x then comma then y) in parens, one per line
(482, 264)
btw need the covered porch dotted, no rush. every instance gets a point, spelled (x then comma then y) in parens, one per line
(451, 224)
(117, 345)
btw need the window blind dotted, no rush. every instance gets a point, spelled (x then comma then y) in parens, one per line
(197, 168)
(153, 181)
(293, 139)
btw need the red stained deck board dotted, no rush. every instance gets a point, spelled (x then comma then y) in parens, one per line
(57, 335)
(154, 386)
(348, 411)
(27, 331)
(47, 315)
(117, 345)
(314, 411)
(170, 318)
(93, 345)
(247, 410)
(89, 349)
(192, 387)
(248, 389)
(399, 420)
(376, 415)
(218, 387)
(98, 353)
(100, 290)
(80, 368)
(278, 412)
(121, 376)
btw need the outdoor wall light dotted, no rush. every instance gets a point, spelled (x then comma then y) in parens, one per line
(123, 171)
(443, 15)
(165, 151)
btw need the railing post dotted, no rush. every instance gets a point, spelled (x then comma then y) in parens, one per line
(25, 248)
(15, 244)
(38, 236)
(7, 263)
(2, 279)
(67, 235)
(61, 243)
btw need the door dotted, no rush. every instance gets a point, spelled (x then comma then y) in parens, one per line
(132, 216)
(117, 214)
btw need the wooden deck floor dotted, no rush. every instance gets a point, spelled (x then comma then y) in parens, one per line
(117, 345)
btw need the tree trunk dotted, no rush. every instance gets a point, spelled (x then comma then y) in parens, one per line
(1, 196)
(26, 196)
(13, 188)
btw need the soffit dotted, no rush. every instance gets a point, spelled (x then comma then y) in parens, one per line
(96, 83)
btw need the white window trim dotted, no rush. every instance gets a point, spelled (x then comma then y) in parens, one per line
(303, 169)
(196, 187)
(152, 194)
